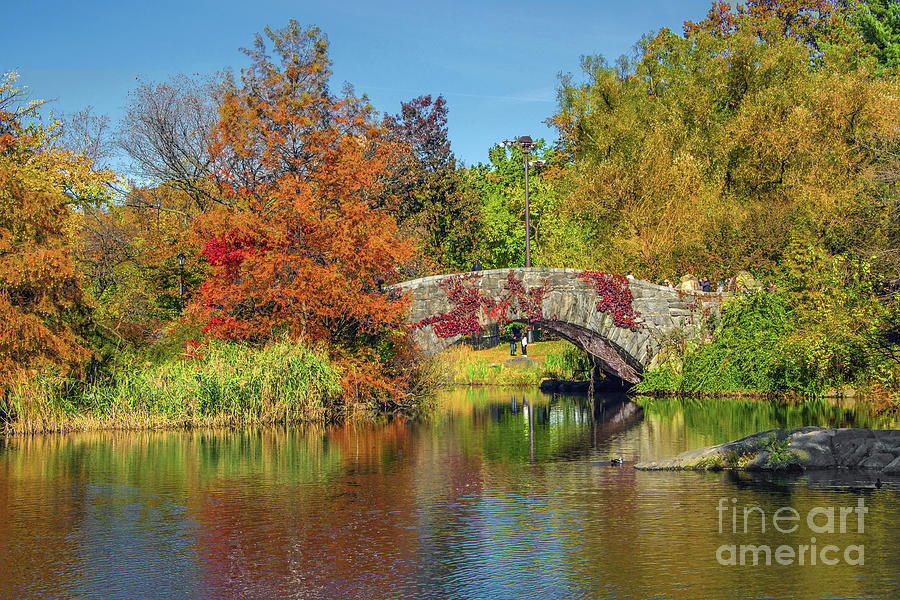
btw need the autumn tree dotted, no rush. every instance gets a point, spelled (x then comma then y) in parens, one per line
(422, 123)
(42, 306)
(426, 192)
(423, 151)
(300, 249)
(128, 251)
(726, 143)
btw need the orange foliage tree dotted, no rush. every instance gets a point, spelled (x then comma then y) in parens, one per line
(301, 249)
(41, 302)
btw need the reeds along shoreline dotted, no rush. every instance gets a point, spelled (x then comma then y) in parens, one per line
(229, 386)
(232, 385)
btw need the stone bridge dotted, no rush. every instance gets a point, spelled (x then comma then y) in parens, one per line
(569, 310)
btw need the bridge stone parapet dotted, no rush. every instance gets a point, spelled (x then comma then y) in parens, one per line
(569, 310)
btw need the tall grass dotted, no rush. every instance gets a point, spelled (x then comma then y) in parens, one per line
(231, 385)
(565, 361)
(461, 365)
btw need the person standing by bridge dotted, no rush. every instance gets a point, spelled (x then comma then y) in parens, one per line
(513, 340)
(525, 343)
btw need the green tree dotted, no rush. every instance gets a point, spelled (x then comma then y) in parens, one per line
(499, 188)
(879, 23)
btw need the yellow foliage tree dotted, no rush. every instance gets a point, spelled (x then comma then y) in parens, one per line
(41, 301)
(719, 147)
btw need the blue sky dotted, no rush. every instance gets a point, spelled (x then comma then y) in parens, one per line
(496, 62)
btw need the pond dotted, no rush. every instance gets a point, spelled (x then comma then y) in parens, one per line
(499, 494)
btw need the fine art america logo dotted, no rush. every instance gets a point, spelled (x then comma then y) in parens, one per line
(822, 520)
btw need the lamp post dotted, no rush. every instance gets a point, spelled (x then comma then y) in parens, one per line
(181, 283)
(527, 145)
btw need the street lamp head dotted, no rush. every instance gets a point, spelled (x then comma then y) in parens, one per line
(526, 143)
(181, 259)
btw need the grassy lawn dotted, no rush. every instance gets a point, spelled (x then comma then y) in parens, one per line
(461, 365)
(537, 351)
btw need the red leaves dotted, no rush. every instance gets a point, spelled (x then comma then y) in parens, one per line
(468, 303)
(530, 301)
(230, 250)
(615, 297)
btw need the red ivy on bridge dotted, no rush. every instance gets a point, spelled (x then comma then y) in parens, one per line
(531, 302)
(465, 302)
(615, 297)
(468, 303)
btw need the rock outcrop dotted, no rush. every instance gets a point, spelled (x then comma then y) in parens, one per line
(689, 284)
(807, 448)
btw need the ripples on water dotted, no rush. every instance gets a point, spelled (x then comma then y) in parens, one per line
(497, 496)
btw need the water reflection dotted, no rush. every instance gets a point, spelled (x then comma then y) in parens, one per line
(498, 495)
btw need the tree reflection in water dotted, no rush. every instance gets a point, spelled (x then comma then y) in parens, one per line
(498, 494)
